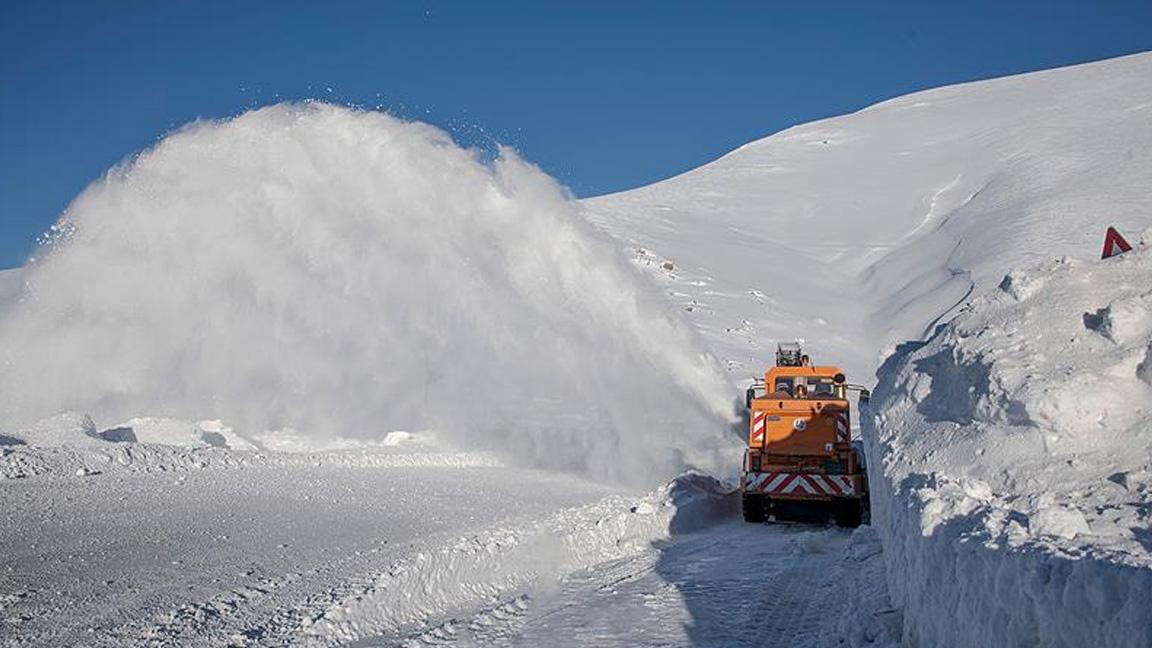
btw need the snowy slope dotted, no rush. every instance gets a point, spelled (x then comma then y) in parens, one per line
(859, 232)
(1009, 455)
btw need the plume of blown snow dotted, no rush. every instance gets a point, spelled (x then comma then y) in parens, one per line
(345, 273)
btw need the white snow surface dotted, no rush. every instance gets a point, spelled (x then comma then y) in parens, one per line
(1015, 447)
(212, 368)
(860, 232)
(218, 547)
(111, 541)
(1009, 457)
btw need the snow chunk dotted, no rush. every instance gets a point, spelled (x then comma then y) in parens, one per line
(1124, 320)
(173, 432)
(177, 432)
(1063, 522)
(1022, 284)
(1144, 369)
(215, 433)
(66, 429)
(397, 437)
(294, 441)
(690, 501)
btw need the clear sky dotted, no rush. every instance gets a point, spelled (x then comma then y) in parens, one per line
(603, 95)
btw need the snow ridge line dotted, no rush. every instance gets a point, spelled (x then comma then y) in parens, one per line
(17, 462)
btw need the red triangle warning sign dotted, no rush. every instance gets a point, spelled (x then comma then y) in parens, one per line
(1114, 244)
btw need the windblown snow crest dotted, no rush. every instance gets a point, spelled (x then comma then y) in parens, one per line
(342, 272)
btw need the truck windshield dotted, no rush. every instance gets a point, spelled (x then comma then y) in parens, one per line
(784, 384)
(814, 386)
(821, 387)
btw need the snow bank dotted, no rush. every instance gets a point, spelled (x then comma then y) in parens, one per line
(345, 273)
(1013, 451)
(71, 444)
(501, 563)
(69, 428)
(22, 461)
(175, 432)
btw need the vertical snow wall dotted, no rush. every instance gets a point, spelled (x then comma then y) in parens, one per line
(1009, 454)
(343, 272)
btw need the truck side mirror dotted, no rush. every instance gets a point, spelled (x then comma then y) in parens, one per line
(839, 379)
(748, 396)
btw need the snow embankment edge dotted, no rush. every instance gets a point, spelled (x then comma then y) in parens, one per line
(1011, 486)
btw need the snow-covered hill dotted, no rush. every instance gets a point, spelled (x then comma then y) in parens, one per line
(1009, 455)
(859, 232)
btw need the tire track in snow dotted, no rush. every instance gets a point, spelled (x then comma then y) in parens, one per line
(731, 585)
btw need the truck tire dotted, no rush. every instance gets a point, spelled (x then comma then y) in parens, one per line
(848, 512)
(755, 508)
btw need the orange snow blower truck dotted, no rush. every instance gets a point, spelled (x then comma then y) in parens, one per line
(801, 463)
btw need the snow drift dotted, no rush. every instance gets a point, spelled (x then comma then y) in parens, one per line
(1014, 447)
(339, 272)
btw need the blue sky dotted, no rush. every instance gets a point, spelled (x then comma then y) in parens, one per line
(603, 95)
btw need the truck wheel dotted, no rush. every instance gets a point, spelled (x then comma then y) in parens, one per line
(848, 512)
(755, 508)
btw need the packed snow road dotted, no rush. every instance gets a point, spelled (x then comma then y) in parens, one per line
(204, 556)
(361, 549)
(729, 585)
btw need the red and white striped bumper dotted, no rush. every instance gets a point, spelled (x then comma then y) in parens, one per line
(800, 484)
